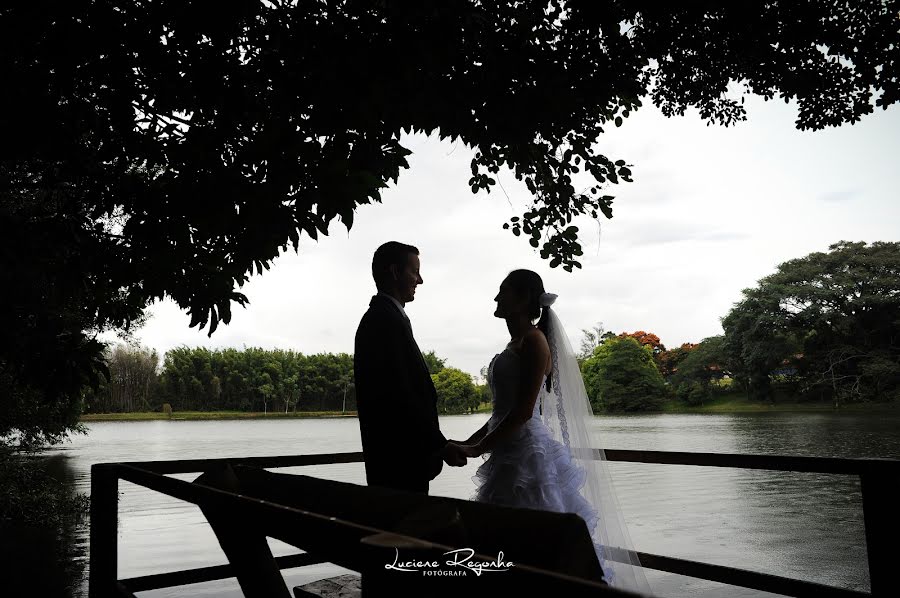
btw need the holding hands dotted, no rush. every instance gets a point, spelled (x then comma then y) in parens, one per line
(453, 455)
(456, 452)
(467, 450)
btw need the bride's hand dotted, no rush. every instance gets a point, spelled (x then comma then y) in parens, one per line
(471, 450)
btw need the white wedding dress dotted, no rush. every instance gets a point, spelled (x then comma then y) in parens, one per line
(531, 469)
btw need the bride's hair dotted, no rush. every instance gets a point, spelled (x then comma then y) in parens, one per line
(530, 283)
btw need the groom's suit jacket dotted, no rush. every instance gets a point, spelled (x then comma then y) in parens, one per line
(396, 401)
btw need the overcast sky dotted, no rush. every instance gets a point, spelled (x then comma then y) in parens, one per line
(711, 211)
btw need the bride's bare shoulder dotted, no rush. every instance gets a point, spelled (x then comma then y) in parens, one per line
(536, 334)
(536, 341)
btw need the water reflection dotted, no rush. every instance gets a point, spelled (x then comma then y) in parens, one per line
(804, 525)
(46, 559)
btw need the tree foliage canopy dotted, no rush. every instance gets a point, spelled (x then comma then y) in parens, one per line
(834, 316)
(220, 136)
(132, 383)
(256, 379)
(435, 364)
(456, 393)
(646, 339)
(701, 363)
(697, 368)
(622, 376)
(668, 361)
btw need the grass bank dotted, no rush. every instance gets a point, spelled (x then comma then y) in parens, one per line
(738, 403)
(202, 415)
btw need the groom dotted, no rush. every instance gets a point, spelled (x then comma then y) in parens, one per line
(403, 446)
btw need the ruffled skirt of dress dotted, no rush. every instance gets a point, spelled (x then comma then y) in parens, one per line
(534, 471)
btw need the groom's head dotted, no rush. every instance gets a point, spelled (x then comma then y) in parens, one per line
(395, 268)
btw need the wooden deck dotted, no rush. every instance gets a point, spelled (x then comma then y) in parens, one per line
(245, 521)
(342, 586)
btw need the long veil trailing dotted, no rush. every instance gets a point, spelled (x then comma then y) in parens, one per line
(567, 411)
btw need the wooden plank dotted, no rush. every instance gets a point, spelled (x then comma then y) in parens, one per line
(198, 465)
(204, 574)
(342, 586)
(770, 462)
(519, 579)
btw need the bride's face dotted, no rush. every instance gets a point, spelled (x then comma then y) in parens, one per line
(509, 303)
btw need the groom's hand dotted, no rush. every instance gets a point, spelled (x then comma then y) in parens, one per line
(453, 455)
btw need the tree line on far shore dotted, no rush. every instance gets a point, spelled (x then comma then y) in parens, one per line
(825, 327)
(252, 380)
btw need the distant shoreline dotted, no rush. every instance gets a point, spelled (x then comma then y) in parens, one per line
(732, 404)
(716, 406)
(205, 415)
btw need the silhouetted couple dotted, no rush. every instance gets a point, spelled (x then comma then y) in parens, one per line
(542, 454)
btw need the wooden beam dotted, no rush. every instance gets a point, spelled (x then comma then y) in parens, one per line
(885, 467)
(204, 574)
(198, 465)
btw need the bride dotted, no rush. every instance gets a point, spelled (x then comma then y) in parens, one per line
(542, 455)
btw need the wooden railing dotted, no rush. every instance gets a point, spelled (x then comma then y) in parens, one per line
(882, 522)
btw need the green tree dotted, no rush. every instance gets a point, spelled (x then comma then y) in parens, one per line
(646, 339)
(182, 379)
(455, 391)
(701, 365)
(667, 361)
(834, 317)
(133, 381)
(484, 394)
(756, 342)
(256, 379)
(483, 388)
(622, 376)
(435, 364)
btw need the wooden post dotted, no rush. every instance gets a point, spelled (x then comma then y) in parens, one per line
(104, 523)
(882, 528)
(249, 554)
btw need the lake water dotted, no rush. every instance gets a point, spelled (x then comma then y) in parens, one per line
(806, 526)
